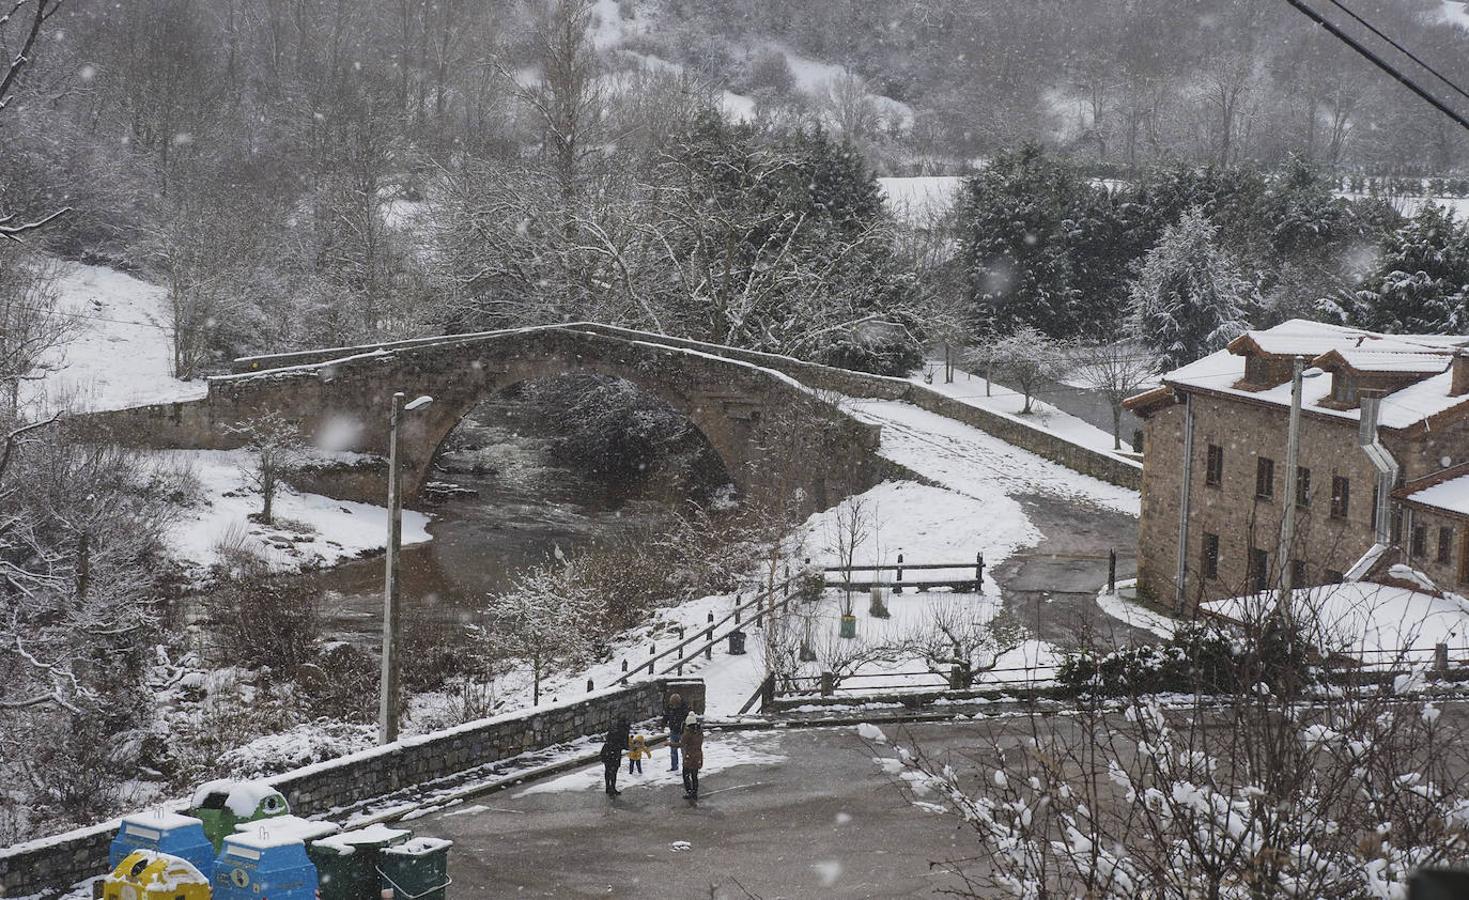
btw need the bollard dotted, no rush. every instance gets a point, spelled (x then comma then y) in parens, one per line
(624, 665)
(1111, 571)
(680, 632)
(711, 616)
(589, 685)
(828, 684)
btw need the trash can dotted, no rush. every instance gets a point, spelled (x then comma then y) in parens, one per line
(222, 805)
(255, 866)
(848, 627)
(417, 870)
(163, 832)
(347, 863)
(736, 643)
(149, 875)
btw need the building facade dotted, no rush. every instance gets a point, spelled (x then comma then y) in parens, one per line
(1215, 487)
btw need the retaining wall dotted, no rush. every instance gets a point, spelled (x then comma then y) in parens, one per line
(48, 866)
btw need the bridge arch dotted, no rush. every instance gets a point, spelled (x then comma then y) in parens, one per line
(775, 436)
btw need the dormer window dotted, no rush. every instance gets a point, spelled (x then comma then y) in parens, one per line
(1344, 389)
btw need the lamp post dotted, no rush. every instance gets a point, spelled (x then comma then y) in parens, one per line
(387, 729)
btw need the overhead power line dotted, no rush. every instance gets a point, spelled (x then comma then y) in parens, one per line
(1401, 49)
(1405, 80)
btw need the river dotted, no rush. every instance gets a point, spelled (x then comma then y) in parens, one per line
(524, 507)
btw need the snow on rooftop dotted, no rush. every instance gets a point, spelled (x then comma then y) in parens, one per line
(1364, 619)
(1451, 495)
(1380, 361)
(1403, 408)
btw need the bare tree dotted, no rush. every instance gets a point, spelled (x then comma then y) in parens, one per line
(568, 97)
(276, 445)
(962, 635)
(1026, 361)
(847, 531)
(1116, 371)
(28, 19)
(32, 325)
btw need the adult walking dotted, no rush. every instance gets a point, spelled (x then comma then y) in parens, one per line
(674, 717)
(693, 756)
(612, 754)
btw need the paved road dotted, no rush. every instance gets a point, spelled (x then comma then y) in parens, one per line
(1055, 596)
(821, 822)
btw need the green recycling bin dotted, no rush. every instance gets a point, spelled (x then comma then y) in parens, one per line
(417, 869)
(224, 805)
(347, 863)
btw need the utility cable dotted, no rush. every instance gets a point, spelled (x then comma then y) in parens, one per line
(1400, 48)
(1381, 63)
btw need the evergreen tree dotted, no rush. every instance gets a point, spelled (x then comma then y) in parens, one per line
(1421, 281)
(1189, 298)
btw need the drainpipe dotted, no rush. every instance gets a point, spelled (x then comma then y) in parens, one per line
(1185, 494)
(1382, 460)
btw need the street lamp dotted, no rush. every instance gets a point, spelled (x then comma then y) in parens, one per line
(387, 719)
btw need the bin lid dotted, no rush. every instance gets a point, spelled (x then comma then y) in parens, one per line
(347, 842)
(279, 831)
(420, 846)
(243, 798)
(162, 820)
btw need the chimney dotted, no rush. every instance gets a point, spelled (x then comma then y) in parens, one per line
(1459, 386)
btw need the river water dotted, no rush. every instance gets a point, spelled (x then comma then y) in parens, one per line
(526, 507)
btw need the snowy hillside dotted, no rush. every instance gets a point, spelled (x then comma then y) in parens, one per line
(121, 354)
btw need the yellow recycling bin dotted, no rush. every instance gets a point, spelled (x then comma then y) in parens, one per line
(149, 875)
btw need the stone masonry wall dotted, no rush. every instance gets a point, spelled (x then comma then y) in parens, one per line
(1231, 510)
(48, 866)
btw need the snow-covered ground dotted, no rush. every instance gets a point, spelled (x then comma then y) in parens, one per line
(310, 530)
(1455, 13)
(121, 354)
(722, 750)
(919, 199)
(971, 389)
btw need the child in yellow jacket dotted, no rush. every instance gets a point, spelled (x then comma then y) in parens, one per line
(637, 750)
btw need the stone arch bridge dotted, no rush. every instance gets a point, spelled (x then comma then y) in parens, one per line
(775, 435)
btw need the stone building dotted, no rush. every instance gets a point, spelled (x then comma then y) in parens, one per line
(1382, 473)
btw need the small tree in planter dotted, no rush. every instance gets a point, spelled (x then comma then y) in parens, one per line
(847, 531)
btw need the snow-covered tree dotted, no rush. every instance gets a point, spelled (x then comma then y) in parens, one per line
(1189, 298)
(1116, 371)
(275, 444)
(1420, 283)
(1026, 360)
(545, 619)
(32, 324)
(962, 634)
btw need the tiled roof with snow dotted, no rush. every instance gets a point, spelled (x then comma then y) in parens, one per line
(1404, 408)
(1383, 361)
(1450, 496)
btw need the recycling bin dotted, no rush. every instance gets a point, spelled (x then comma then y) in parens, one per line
(255, 866)
(347, 863)
(736, 643)
(162, 832)
(150, 875)
(222, 805)
(417, 869)
(289, 828)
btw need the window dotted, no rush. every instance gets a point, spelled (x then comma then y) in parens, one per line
(1420, 542)
(1297, 573)
(1341, 496)
(1445, 545)
(1259, 569)
(1214, 472)
(1303, 486)
(1264, 478)
(1211, 555)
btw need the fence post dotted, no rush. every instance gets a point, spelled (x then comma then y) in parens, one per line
(898, 581)
(979, 573)
(1441, 658)
(767, 692)
(828, 684)
(1111, 571)
(709, 638)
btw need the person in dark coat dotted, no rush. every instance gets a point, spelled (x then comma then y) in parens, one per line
(612, 754)
(693, 756)
(674, 716)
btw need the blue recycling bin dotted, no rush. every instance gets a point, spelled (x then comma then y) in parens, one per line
(162, 832)
(255, 866)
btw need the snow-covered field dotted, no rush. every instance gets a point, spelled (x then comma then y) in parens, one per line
(310, 530)
(918, 199)
(121, 354)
